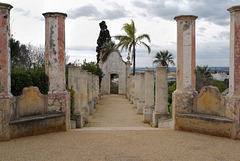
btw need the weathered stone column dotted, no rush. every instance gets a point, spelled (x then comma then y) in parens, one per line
(98, 93)
(133, 88)
(186, 57)
(141, 93)
(94, 91)
(129, 87)
(136, 90)
(233, 98)
(74, 83)
(58, 97)
(5, 79)
(128, 77)
(84, 96)
(55, 50)
(90, 93)
(149, 96)
(161, 106)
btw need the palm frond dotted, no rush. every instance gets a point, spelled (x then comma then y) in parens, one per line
(148, 47)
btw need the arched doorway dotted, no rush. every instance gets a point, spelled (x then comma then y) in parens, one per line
(114, 83)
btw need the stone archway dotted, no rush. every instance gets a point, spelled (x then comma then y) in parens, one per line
(114, 64)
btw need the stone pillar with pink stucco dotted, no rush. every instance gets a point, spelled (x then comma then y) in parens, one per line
(186, 53)
(233, 98)
(58, 97)
(5, 80)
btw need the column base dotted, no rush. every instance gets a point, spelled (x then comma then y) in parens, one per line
(4, 119)
(159, 116)
(90, 105)
(79, 120)
(85, 114)
(148, 114)
(140, 107)
(136, 102)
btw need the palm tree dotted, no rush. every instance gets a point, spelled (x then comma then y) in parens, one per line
(203, 77)
(203, 72)
(130, 41)
(163, 58)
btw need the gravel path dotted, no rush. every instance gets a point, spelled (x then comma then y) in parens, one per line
(118, 143)
(116, 111)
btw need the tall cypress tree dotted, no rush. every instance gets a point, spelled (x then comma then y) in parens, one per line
(104, 36)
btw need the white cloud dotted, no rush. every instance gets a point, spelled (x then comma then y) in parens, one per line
(154, 17)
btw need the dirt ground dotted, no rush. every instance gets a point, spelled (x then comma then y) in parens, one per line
(119, 135)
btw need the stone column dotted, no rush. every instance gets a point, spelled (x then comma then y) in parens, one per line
(94, 91)
(233, 98)
(136, 90)
(131, 88)
(5, 79)
(90, 93)
(55, 50)
(84, 96)
(141, 93)
(161, 96)
(186, 57)
(149, 96)
(58, 97)
(186, 52)
(74, 83)
(98, 93)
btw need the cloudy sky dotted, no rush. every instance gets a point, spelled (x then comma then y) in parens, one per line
(154, 17)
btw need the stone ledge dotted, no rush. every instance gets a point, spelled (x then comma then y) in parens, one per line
(206, 117)
(35, 118)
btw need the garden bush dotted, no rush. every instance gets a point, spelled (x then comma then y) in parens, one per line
(25, 78)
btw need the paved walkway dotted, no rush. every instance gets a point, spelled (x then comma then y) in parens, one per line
(116, 111)
(108, 140)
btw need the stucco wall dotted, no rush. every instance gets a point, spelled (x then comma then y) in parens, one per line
(114, 65)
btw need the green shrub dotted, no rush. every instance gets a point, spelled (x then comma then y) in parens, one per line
(220, 85)
(25, 78)
(72, 102)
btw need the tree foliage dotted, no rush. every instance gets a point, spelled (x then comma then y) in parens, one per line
(129, 41)
(104, 37)
(25, 78)
(26, 55)
(203, 77)
(94, 68)
(163, 58)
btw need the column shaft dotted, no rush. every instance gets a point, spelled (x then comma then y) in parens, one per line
(161, 90)
(149, 96)
(186, 52)
(233, 98)
(141, 93)
(55, 50)
(5, 79)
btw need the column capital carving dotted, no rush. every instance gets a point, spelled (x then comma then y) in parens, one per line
(5, 6)
(185, 17)
(234, 9)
